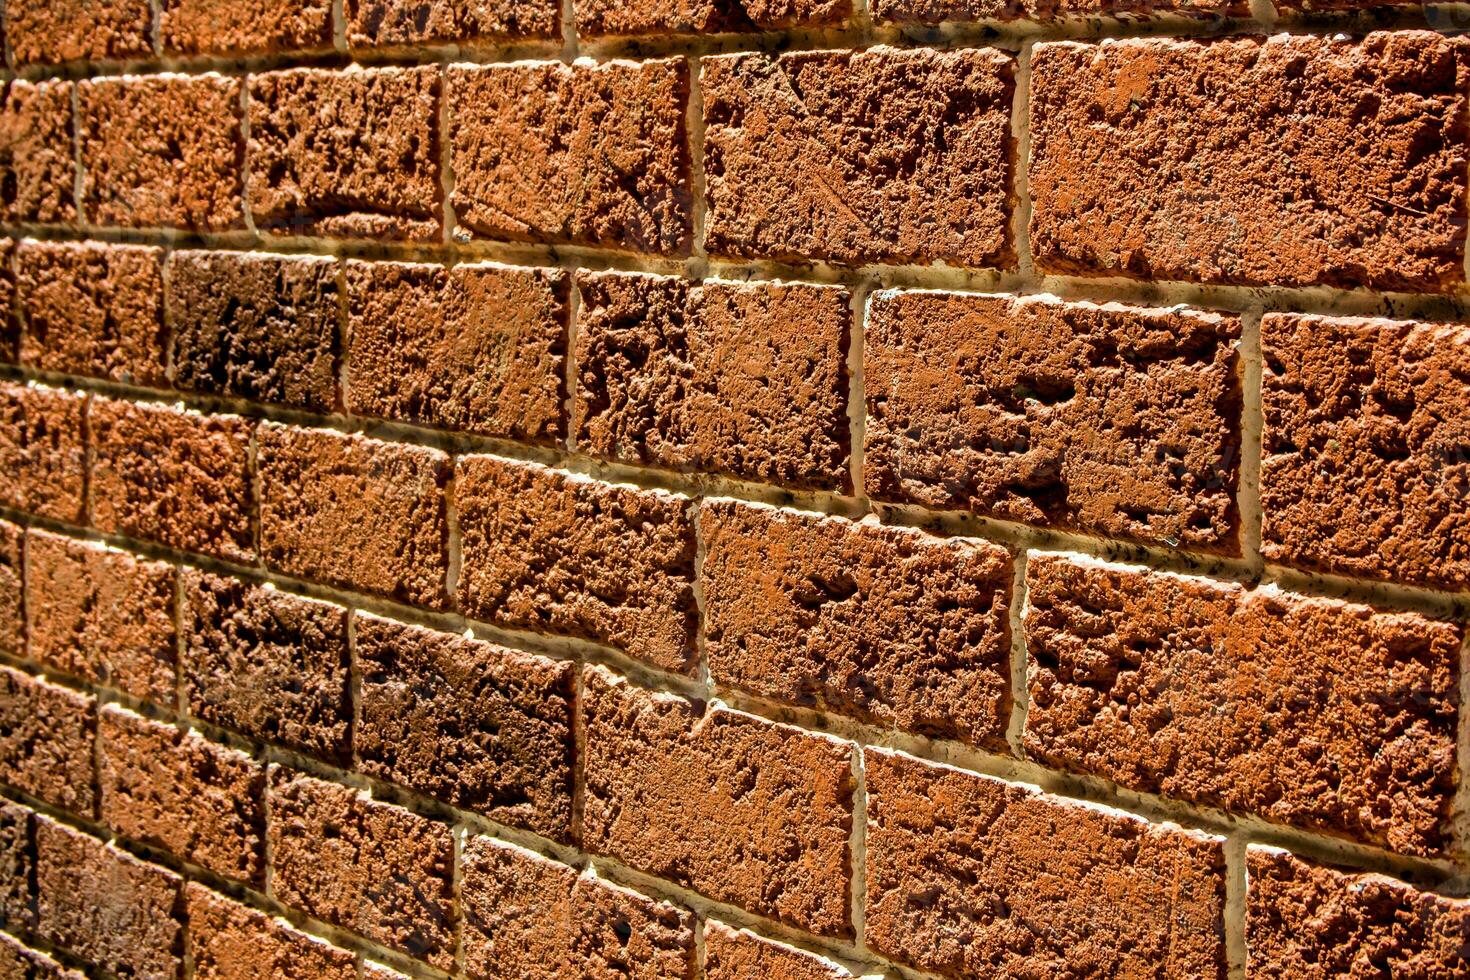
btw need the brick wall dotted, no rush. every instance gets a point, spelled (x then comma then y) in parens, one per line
(794, 489)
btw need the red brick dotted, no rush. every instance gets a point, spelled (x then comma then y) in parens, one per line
(1288, 161)
(1312, 922)
(347, 154)
(12, 590)
(229, 941)
(940, 11)
(735, 807)
(37, 168)
(476, 725)
(889, 625)
(748, 379)
(1310, 712)
(46, 738)
(370, 867)
(1366, 469)
(354, 512)
(480, 348)
(586, 154)
(102, 615)
(9, 322)
(271, 665)
(19, 962)
(53, 31)
(236, 27)
(739, 955)
(970, 876)
(597, 18)
(855, 157)
(553, 552)
(94, 309)
(407, 22)
(17, 869)
(174, 477)
(162, 150)
(530, 918)
(42, 451)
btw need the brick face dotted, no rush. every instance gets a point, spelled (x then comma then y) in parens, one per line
(229, 941)
(37, 169)
(630, 17)
(238, 27)
(735, 954)
(407, 22)
(905, 12)
(17, 869)
(46, 738)
(12, 590)
(54, 31)
(42, 451)
(18, 960)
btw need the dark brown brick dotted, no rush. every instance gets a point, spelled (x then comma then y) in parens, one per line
(229, 941)
(970, 876)
(19, 962)
(12, 590)
(408, 22)
(736, 808)
(481, 348)
(9, 321)
(741, 955)
(237, 27)
(37, 168)
(46, 737)
(553, 552)
(613, 17)
(940, 11)
(42, 451)
(53, 31)
(17, 870)
(889, 625)
(748, 379)
(855, 157)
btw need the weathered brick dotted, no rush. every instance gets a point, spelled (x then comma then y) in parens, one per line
(596, 18)
(854, 157)
(348, 154)
(407, 22)
(19, 962)
(94, 309)
(1366, 443)
(1288, 160)
(17, 868)
(731, 954)
(46, 736)
(1311, 712)
(102, 615)
(237, 27)
(53, 31)
(1313, 922)
(162, 150)
(889, 625)
(262, 327)
(229, 941)
(476, 725)
(373, 868)
(12, 590)
(735, 807)
(42, 451)
(354, 512)
(9, 321)
(480, 348)
(586, 154)
(270, 665)
(553, 552)
(174, 477)
(969, 876)
(37, 168)
(940, 11)
(748, 379)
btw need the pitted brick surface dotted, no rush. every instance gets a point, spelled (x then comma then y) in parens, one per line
(941, 11)
(238, 27)
(17, 869)
(12, 590)
(46, 738)
(9, 321)
(53, 31)
(42, 451)
(37, 169)
(596, 18)
(229, 941)
(739, 955)
(22, 963)
(408, 22)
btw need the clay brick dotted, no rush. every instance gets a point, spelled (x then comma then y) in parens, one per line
(270, 665)
(102, 615)
(473, 724)
(530, 918)
(1107, 420)
(370, 867)
(37, 168)
(162, 151)
(737, 808)
(557, 553)
(17, 867)
(1310, 712)
(970, 876)
(586, 154)
(9, 322)
(42, 451)
(856, 157)
(354, 512)
(1366, 443)
(351, 154)
(46, 736)
(256, 326)
(731, 954)
(888, 625)
(1288, 160)
(229, 941)
(480, 348)
(407, 22)
(12, 590)
(94, 309)
(940, 11)
(237, 27)
(54, 31)
(174, 477)
(19, 962)
(744, 379)
(1313, 922)
(598, 18)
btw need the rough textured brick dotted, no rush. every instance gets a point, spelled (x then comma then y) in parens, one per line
(346, 154)
(1291, 160)
(970, 876)
(163, 150)
(373, 868)
(271, 665)
(46, 736)
(102, 615)
(553, 552)
(890, 625)
(734, 807)
(612, 17)
(1366, 443)
(476, 725)
(744, 379)
(262, 327)
(1311, 712)
(236, 27)
(42, 451)
(174, 477)
(94, 309)
(17, 866)
(586, 154)
(854, 157)
(939, 11)
(229, 941)
(18, 962)
(354, 512)
(530, 918)
(400, 22)
(731, 954)
(1108, 420)
(12, 590)
(1313, 922)
(480, 348)
(9, 322)
(53, 31)
(37, 169)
